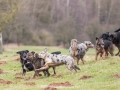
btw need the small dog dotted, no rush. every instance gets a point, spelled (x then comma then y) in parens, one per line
(52, 60)
(103, 47)
(78, 51)
(25, 66)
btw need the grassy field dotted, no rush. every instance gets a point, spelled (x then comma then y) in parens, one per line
(104, 74)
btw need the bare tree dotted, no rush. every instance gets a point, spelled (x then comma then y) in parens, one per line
(1, 44)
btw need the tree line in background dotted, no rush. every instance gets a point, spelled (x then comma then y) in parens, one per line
(56, 22)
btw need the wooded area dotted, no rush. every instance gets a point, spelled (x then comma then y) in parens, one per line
(56, 22)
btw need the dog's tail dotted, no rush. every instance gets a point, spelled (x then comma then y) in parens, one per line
(76, 67)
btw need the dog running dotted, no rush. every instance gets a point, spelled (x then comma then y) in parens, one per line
(25, 66)
(103, 47)
(78, 51)
(37, 62)
(114, 37)
(56, 60)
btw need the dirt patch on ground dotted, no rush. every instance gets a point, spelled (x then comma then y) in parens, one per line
(57, 76)
(111, 63)
(6, 56)
(116, 76)
(1, 72)
(2, 62)
(85, 77)
(19, 77)
(53, 86)
(5, 81)
(19, 73)
(60, 84)
(49, 88)
(30, 83)
(17, 59)
(16, 81)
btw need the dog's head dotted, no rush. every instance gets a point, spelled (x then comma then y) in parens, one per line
(105, 36)
(88, 44)
(99, 44)
(43, 54)
(113, 36)
(74, 43)
(30, 55)
(23, 54)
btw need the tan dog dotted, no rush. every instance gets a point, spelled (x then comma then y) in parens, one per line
(103, 47)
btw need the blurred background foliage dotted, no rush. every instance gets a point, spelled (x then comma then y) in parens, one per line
(56, 22)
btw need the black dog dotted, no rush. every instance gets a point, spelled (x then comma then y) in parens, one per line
(114, 37)
(25, 66)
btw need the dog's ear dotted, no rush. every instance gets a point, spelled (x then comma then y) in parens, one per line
(18, 52)
(36, 55)
(114, 35)
(96, 38)
(27, 51)
(45, 50)
(33, 52)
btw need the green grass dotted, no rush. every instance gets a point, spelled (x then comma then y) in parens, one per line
(100, 70)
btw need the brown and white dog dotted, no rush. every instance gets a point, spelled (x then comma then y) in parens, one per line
(56, 60)
(103, 47)
(78, 51)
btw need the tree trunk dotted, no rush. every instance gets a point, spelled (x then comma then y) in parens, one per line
(1, 44)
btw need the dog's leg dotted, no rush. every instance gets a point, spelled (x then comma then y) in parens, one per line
(24, 72)
(42, 68)
(111, 52)
(106, 53)
(71, 68)
(47, 72)
(82, 60)
(97, 53)
(103, 55)
(54, 70)
(36, 73)
(118, 51)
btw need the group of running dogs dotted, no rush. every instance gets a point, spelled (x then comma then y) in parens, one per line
(32, 61)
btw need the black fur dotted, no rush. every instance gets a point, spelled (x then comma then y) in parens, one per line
(23, 61)
(57, 52)
(114, 37)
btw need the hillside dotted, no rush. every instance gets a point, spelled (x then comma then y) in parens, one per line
(94, 75)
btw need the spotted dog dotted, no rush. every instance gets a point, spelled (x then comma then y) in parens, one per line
(56, 60)
(78, 51)
(103, 47)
